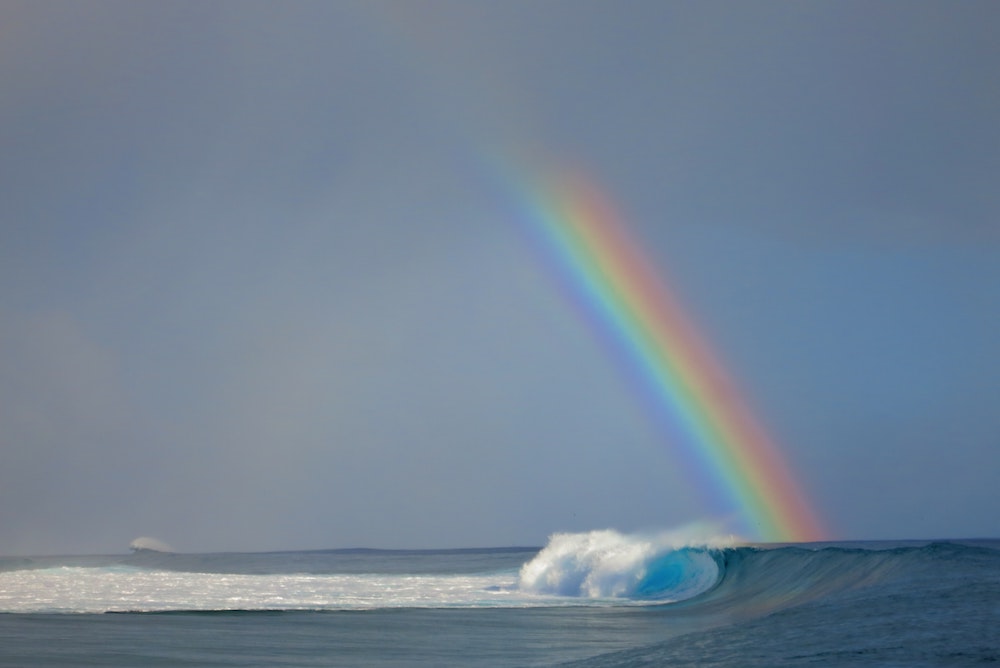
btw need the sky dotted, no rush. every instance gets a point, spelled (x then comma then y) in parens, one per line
(263, 287)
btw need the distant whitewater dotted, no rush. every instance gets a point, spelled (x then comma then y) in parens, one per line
(600, 598)
(150, 544)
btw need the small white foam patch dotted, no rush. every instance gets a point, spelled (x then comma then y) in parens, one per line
(147, 543)
(609, 564)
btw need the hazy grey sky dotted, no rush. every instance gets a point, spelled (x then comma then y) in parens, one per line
(257, 290)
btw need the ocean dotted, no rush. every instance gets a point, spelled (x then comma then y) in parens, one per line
(585, 600)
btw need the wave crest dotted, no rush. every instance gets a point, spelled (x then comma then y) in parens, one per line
(608, 564)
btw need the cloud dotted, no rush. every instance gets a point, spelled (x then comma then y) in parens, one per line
(66, 429)
(260, 275)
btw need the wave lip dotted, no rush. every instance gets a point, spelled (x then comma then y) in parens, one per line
(608, 564)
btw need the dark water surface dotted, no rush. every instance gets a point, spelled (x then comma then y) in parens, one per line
(631, 603)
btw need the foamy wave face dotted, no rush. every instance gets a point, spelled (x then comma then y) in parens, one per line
(607, 564)
(600, 568)
(77, 589)
(128, 589)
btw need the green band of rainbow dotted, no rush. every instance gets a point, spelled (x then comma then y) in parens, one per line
(617, 283)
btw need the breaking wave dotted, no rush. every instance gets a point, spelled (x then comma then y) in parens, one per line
(607, 564)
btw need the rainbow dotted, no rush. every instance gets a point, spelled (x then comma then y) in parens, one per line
(623, 294)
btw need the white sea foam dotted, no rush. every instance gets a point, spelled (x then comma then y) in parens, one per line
(597, 568)
(120, 588)
(124, 588)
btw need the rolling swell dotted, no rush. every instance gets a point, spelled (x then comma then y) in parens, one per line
(755, 581)
(914, 604)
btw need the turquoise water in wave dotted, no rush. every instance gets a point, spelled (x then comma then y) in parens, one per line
(597, 599)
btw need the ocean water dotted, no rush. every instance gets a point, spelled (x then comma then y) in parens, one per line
(586, 600)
